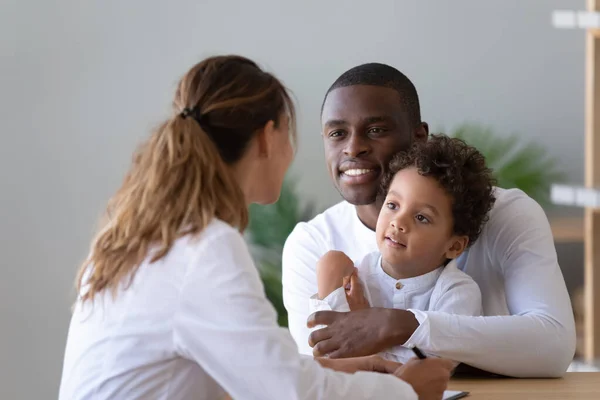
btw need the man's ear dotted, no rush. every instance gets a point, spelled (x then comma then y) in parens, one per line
(458, 245)
(422, 132)
(264, 138)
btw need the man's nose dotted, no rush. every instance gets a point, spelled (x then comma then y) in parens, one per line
(356, 146)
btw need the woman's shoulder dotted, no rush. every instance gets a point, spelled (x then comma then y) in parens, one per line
(218, 246)
(218, 227)
(216, 235)
(215, 229)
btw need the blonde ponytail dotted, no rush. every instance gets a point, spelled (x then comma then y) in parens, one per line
(181, 177)
(177, 185)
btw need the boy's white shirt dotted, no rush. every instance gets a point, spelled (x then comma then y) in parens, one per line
(528, 328)
(444, 289)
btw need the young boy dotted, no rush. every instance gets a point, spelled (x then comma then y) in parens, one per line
(436, 199)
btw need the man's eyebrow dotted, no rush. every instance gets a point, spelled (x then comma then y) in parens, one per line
(368, 120)
(335, 122)
(372, 120)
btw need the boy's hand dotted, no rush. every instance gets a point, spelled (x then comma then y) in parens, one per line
(354, 292)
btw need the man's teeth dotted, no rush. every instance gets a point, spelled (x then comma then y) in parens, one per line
(357, 172)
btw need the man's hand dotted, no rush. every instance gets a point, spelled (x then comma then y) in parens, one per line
(359, 333)
(354, 292)
(429, 377)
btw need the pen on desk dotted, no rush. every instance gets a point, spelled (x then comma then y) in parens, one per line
(418, 353)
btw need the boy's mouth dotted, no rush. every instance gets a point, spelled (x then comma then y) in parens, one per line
(393, 242)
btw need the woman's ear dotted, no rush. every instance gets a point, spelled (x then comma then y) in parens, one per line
(265, 138)
(458, 244)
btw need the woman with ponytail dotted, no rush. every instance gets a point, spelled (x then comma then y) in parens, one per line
(170, 305)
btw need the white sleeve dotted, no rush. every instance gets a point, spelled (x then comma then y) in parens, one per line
(538, 338)
(455, 293)
(459, 294)
(225, 323)
(301, 252)
(335, 301)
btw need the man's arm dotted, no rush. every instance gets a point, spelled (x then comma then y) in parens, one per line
(536, 340)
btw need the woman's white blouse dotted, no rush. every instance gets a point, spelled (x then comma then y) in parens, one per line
(196, 325)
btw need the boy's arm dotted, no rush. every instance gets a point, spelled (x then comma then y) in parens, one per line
(303, 249)
(339, 287)
(332, 269)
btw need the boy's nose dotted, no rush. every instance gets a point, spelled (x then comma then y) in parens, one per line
(400, 224)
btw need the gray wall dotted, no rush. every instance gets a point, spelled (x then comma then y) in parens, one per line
(81, 82)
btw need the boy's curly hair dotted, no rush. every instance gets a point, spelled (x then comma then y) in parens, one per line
(460, 170)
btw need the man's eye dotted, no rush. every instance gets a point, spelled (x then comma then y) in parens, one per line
(376, 131)
(336, 134)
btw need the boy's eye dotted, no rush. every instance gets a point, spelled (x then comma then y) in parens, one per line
(422, 218)
(390, 205)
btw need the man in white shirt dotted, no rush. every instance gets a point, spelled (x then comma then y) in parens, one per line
(437, 198)
(369, 114)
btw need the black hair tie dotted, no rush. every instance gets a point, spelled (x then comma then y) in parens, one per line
(188, 112)
(193, 112)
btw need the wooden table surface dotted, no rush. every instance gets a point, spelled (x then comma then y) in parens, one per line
(575, 385)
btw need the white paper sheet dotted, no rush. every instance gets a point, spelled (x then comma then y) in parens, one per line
(454, 394)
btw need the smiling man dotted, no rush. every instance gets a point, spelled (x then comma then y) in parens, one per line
(370, 113)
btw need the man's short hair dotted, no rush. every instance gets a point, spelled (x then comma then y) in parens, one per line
(377, 74)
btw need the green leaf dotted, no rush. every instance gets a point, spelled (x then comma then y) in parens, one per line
(516, 164)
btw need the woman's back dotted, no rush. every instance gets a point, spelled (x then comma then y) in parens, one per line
(130, 345)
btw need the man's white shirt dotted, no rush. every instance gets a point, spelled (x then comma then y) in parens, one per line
(527, 328)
